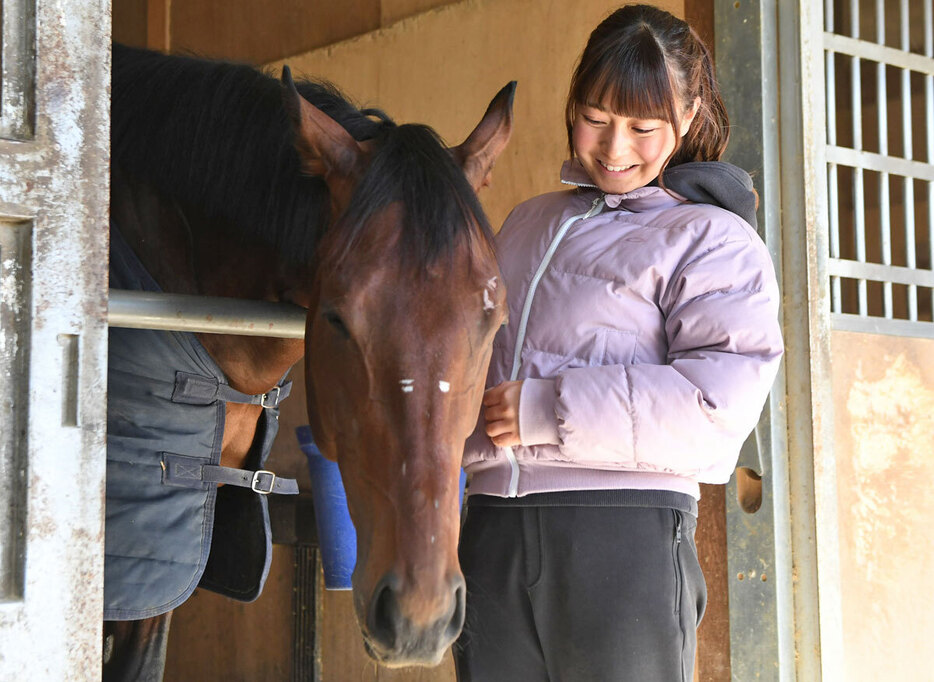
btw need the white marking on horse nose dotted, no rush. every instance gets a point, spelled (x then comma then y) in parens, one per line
(436, 504)
(407, 386)
(403, 468)
(444, 386)
(432, 539)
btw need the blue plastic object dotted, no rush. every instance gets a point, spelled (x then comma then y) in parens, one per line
(337, 538)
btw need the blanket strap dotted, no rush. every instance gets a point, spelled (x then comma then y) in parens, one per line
(193, 389)
(190, 472)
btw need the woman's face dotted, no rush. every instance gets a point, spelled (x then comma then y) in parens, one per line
(621, 153)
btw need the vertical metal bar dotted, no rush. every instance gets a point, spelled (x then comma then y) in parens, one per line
(16, 237)
(859, 202)
(836, 298)
(909, 195)
(885, 218)
(17, 69)
(806, 508)
(929, 118)
(748, 70)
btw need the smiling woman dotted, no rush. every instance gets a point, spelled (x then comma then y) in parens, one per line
(642, 342)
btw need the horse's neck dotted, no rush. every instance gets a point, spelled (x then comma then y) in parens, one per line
(182, 262)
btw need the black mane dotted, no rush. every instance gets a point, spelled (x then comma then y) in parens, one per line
(215, 138)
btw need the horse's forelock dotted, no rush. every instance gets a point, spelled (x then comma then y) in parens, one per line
(410, 165)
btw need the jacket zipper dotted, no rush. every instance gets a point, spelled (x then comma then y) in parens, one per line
(595, 208)
(676, 551)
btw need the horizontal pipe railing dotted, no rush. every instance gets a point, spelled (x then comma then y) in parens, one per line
(213, 315)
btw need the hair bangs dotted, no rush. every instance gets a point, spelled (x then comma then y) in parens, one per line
(633, 82)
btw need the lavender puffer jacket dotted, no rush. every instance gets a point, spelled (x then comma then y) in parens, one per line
(648, 340)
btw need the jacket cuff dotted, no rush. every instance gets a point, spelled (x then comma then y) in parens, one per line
(538, 422)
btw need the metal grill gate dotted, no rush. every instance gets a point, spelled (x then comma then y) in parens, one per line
(879, 71)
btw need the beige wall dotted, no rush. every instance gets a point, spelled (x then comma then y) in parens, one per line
(883, 391)
(253, 31)
(442, 68)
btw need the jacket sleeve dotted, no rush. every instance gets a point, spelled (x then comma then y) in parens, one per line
(690, 415)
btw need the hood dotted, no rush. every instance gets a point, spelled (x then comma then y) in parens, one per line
(704, 182)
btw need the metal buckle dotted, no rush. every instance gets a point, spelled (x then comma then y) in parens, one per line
(263, 402)
(254, 485)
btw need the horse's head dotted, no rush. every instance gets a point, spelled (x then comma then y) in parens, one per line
(406, 302)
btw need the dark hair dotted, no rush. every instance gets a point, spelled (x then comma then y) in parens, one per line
(215, 138)
(642, 62)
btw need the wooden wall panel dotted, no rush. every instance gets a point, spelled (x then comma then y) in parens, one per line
(254, 31)
(129, 19)
(215, 638)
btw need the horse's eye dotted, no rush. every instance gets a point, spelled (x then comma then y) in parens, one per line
(335, 321)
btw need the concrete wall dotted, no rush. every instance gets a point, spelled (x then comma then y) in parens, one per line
(883, 388)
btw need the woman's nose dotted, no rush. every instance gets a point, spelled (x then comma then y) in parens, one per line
(616, 143)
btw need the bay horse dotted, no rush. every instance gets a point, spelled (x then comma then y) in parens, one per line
(229, 182)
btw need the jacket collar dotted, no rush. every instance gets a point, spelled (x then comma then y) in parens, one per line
(648, 198)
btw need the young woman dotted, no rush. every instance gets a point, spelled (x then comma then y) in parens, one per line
(642, 342)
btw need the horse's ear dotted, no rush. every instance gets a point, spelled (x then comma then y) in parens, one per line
(324, 146)
(477, 154)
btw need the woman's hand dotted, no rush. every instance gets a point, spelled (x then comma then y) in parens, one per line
(501, 412)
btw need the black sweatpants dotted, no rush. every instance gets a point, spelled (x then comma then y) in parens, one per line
(579, 593)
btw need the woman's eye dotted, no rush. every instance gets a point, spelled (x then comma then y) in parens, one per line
(592, 121)
(643, 131)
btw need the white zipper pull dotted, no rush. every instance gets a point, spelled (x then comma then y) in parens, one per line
(593, 206)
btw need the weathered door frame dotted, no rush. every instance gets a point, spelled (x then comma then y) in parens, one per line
(54, 161)
(785, 606)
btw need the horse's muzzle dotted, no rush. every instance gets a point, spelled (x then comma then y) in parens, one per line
(395, 640)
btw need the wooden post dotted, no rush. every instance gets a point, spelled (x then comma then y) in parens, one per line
(158, 24)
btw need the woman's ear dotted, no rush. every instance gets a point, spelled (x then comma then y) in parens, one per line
(688, 117)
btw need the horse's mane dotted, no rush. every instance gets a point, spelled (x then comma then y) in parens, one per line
(215, 138)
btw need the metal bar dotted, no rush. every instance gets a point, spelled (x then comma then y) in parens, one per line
(762, 646)
(833, 196)
(17, 69)
(929, 119)
(859, 204)
(867, 49)
(880, 273)
(805, 484)
(145, 310)
(884, 164)
(833, 202)
(859, 201)
(908, 143)
(878, 325)
(885, 218)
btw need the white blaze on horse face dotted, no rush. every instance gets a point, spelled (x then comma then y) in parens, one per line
(444, 386)
(407, 386)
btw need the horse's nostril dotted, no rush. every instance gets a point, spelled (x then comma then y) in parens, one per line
(456, 624)
(385, 615)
